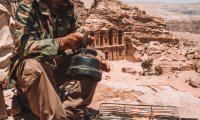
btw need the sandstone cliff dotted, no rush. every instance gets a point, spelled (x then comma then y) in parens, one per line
(6, 39)
(139, 27)
(146, 36)
(82, 11)
(130, 19)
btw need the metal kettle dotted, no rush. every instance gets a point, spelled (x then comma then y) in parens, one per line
(85, 66)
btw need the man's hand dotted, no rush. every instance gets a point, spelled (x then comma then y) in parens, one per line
(105, 66)
(73, 41)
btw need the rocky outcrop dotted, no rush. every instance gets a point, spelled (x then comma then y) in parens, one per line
(195, 64)
(194, 81)
(125, 17)
(193, 54)
(6, 38)
(137, 25)
(82, 11)
(128, 70)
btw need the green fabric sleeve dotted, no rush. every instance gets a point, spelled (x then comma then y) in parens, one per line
(48, 47)
(30, 36)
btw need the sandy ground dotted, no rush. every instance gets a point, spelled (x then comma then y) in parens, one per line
(167, 89)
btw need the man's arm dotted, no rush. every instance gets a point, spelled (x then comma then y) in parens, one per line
(30, 33)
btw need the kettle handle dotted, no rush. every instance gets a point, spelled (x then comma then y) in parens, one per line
(84, 41)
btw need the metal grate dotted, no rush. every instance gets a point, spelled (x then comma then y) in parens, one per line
(111, 111)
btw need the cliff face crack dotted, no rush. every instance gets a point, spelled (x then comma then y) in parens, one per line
(152, 88)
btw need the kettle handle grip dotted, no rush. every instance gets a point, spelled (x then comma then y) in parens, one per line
(84, 41)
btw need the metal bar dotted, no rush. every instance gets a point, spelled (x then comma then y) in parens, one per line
(115, 111)
(123, 112)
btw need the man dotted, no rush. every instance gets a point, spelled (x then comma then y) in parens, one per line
(39, 64)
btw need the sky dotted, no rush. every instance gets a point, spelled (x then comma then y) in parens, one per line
(167, 1)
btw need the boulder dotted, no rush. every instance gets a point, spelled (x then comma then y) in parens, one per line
(137, 56)
(198, 69)
(175, 68)
(196, 55)
(189, 56)
(128, 70)
(185, 68)
(195, 65)
(194, 81)
(152, 51)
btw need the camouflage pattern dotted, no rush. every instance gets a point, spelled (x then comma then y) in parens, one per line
(38, 29)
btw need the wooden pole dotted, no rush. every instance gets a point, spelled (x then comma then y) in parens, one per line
(3, 113)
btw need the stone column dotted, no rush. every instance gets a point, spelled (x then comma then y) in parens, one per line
(105, 34)
(121, 37)
(97, 38)
(115, 37)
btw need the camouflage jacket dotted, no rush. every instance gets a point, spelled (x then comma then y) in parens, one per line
(38, 28)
